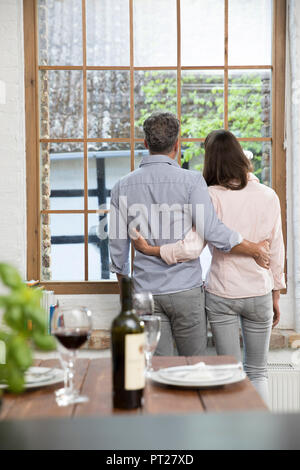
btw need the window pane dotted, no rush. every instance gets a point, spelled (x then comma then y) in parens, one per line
(107, 32)
(249, 103)
(108, 103)
(154, 91)
(192, 155)
(62, 176)
(262, 158)
(155, 33)
(60, 32)
(61, 113)
(107, 163)
(62, 247)
(202, 32)
(250, 32)
(99, 260)
(202, 102)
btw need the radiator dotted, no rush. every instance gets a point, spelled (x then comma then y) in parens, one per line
(284, 387)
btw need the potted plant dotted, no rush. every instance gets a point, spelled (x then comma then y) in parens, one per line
(24, 326)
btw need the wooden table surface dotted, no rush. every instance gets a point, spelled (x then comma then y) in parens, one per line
(93, 378)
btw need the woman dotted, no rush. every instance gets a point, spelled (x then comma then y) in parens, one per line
(238, 290)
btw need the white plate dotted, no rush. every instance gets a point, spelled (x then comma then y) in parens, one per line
(234, 377)
(198, 377)
(41, 377)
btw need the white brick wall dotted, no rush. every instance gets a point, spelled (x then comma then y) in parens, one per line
(103, 307)
(12, 136)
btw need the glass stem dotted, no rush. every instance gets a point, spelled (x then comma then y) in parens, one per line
(69, 374)
(148, 361)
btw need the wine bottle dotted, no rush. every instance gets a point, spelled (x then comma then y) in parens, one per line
(128, 362)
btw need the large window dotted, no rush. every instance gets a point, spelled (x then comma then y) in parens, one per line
(95, 69)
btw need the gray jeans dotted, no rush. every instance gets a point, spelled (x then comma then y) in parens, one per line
(183, 320)
(256, 318)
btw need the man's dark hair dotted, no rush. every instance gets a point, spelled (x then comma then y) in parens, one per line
(161, 132)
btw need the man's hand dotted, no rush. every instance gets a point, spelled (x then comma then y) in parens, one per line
(262, 258)
(276, 309)
(259, 251)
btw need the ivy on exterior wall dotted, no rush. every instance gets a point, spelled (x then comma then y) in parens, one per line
(202, 109)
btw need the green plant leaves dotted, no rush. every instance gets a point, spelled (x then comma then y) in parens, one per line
(44, 342)
(202, 107)
(14, 317)
(37, 316)
(22, 307)
(19, 352)
(15, 379)
(10, 276)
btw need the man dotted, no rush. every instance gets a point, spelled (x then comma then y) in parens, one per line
(163, 201)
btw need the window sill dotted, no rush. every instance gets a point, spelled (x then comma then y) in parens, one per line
(83, 287)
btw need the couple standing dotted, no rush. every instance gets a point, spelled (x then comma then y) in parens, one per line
(245, 277)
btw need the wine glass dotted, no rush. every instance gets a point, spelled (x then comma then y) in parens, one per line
(72, 328)
(152, 335)
(143, 303)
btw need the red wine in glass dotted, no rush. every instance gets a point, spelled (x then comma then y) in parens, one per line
(72, 339)
(72, 328)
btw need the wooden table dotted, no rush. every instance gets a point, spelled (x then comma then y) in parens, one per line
(93, 378)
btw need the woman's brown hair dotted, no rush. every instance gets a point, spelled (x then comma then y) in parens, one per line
(225, 163)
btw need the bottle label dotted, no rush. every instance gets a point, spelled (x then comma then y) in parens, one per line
(134, 361)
